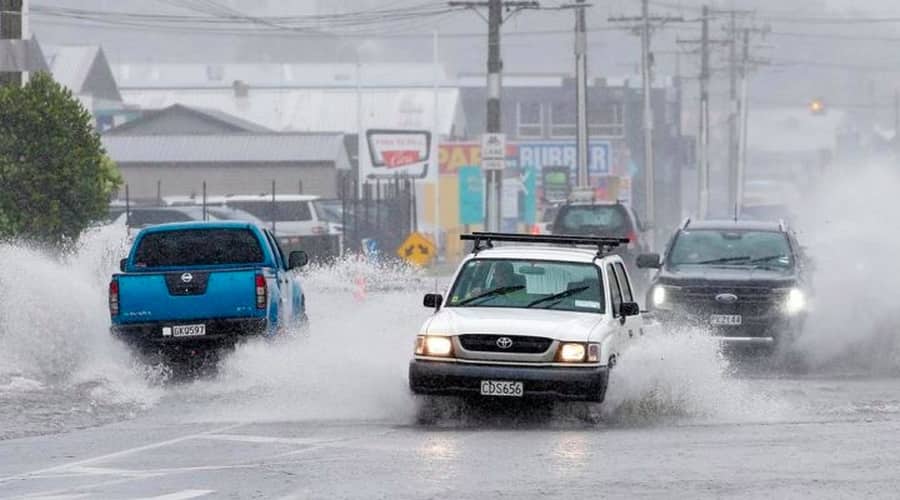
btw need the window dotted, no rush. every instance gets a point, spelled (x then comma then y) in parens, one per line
(562, 119)
(510, 283)
(198, 247)
(608, 220)
(284, 210)
(529, 119)
(731, 248)
(614, 291)
(606, 119)
(624, 283)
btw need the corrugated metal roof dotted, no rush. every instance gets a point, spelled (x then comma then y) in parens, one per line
(70, 64)
(316, 110)
(232, 148)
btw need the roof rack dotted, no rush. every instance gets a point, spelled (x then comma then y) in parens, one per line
(486, 240)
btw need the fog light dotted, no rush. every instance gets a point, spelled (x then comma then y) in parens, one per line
(438, 346)
(571, 353)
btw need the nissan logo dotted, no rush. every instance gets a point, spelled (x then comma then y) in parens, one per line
(504, 342)
(726, 298)
(187, 278)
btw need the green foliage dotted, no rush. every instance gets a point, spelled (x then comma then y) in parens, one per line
(55, 178)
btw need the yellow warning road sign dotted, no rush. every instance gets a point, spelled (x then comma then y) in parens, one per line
(417, 249)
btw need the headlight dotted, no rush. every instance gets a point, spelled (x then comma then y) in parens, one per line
(571, 353)
(795, 301)
(427, 345)
(660, 296)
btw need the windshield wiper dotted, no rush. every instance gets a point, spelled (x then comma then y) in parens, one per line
(722, 260)
(768, 258)
(560, 295)
(503, 290)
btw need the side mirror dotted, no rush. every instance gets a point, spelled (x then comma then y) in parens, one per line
(122, 264)
(297, 259)
(649, 261)
(630, 309)
(433, 300)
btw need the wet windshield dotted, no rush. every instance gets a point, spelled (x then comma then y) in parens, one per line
(732, 248)
(529, 284)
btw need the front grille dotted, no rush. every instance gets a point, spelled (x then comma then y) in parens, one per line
(751, 301)
(520, 344)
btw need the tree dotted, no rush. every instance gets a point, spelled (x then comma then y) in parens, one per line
(55, 178)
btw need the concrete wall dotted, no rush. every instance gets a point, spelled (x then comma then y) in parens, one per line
(228, 178)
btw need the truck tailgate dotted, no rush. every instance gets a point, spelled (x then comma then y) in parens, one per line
(148, 297)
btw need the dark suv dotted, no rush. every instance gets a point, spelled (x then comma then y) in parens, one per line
(606, 219)
(745, 281)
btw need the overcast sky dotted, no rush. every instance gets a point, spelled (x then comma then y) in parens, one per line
(849, 63)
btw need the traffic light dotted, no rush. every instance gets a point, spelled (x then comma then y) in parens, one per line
(817, 106)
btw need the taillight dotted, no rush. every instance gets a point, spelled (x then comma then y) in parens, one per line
(114, 297)
(632, 240)
(261, 292)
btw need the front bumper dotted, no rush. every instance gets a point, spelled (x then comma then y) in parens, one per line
(218, 332)
(463, 379)
(765, 331)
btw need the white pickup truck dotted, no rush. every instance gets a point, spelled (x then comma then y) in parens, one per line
(545, 317)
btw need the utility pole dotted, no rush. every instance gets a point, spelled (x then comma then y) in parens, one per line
(494, 188)
(744, 110)
(647, 103)
(11, 29)
(581, 94)
(732, 114)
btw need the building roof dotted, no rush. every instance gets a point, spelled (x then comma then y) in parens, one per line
(210, 76)
(22, 55)
(223, 121)
(83, 69)
(227, 148)
(317, 109)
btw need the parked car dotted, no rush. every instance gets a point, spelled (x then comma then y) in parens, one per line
(526, 321)
(200, 286)
(297, 220)
(747, 282)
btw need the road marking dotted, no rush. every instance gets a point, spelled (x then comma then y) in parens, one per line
(118, 454)
(58, 497)
(181, 495)
(242, 438)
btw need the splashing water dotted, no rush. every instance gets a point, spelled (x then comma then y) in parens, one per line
(58, 367)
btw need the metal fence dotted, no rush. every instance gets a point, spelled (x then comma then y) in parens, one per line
(378, 215)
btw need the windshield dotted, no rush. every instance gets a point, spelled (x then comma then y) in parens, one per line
(330, 210)
(532, 284)
(198, 247)
(283, 210)
(607, 219)
(732, 248)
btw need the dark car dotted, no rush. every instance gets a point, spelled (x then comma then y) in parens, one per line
(745, 281)
(606, 219)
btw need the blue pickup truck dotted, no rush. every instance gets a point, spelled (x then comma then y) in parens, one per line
(198, 286)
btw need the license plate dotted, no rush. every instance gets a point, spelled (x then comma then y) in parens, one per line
(188, 330)
(726, 319)
(502, 388)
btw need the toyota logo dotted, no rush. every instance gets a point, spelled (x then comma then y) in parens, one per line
(187, 278)
(504, 342)
(726, 298)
